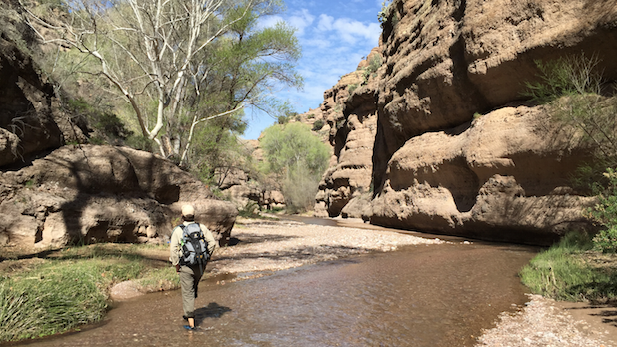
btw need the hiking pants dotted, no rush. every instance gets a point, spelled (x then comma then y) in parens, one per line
(189, 280)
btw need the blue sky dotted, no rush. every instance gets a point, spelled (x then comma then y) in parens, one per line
(335, 36)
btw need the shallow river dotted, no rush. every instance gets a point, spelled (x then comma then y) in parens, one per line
(437, 295)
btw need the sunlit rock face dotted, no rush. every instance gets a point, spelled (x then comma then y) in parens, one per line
(456, 148)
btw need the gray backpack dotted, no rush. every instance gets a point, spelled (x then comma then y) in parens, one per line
(194, 245)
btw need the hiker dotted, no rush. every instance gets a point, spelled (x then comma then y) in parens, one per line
(190, 270)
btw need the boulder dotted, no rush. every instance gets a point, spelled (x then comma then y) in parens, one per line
(103, 194)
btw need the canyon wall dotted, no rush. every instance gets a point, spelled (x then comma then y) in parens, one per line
(454, 146)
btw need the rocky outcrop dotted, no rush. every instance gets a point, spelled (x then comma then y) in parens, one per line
(349, 109)
(101, 194)
(31, 117)
(52, 194)
(502, 176)
(447, 60)
(245, 187)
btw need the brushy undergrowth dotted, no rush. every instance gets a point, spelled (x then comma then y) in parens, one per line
(567, 271)
(71, 289)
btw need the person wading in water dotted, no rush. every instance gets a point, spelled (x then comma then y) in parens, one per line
(190, 247)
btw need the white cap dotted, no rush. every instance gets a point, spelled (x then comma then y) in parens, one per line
(188, 211)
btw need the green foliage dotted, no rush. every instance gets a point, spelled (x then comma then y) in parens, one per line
(300, 186)
(71, 289)
(286, 115)
(250, 210)
(565, 76)
(299, 157)
(562, 273)
(282, 120)
(383, 16)
(219, 150)
(352, 88)
(139, 142)
(291, 145)
(107, 127)
(63, 295)
(235, 63)
(572, 85)
(19, 313)
(374, 64)
(604, 213)
(318, 124)
(573, 88)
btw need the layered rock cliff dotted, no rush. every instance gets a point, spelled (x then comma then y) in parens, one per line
(501, 175)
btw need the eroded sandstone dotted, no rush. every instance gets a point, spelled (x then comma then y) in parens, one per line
(456, 148)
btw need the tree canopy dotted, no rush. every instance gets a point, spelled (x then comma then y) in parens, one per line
(299, 157)
(179, 64)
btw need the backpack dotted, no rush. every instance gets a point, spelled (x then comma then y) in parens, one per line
(194, 246)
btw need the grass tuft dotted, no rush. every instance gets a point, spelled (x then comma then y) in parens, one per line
(570, 271)
(71, 287)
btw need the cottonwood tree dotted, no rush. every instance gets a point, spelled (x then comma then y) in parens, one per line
(179, 63)
(299, 158)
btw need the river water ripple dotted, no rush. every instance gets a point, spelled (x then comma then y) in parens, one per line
(428, 295)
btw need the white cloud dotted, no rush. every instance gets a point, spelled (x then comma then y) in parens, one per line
(301, 20)
(332, 47)
(349, 30)
(316, 43)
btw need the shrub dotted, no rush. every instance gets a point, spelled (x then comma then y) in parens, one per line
(249, 210)
(605, 213)
(352, 88)
(373, 65)
(572, 86)
(565, 76)
(299, 158)
(318, 125)
(383, 16)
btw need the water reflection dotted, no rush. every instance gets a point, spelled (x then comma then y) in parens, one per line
(437, 295)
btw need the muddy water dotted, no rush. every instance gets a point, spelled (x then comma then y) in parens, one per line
(438, 295)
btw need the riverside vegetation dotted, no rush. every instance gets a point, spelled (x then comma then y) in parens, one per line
(57, 291)
(61, 290)
(581, 266)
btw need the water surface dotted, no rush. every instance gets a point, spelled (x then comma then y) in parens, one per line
(427, 295)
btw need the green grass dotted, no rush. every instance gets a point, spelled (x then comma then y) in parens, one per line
(71, 288)
(571, 271)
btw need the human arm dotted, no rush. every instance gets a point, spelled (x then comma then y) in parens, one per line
(174, 247)
(209, 238)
